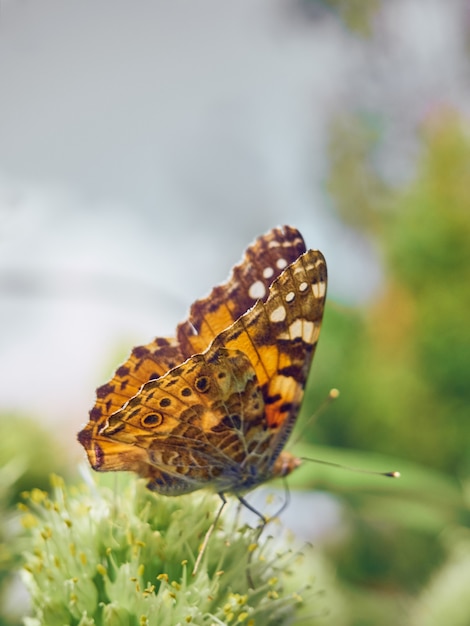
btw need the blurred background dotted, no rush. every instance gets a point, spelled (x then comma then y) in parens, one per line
(144, 145)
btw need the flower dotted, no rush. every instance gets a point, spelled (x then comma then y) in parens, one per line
(123, 555)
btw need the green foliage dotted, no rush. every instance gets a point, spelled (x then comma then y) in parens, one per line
(428, 248)
(8, 556)
(28, 454)
(404, 371)
(353, 182)
(402, 367)
(445, 600)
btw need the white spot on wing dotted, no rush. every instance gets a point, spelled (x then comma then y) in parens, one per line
(290, 296)
(281, 263)
(303, 329)
(296, 329)
(319, 289)
(268, 272)
(278, 315)
(257, 290)
(303, 286)
(192, 328)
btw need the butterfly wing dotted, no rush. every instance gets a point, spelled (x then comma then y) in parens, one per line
(263, 261)
(279, 337)
(145, 363)
(249, 282)
(222, 418)
(192, 423)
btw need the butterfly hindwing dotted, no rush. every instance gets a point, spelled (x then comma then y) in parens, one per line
(145, 363)
(194, 422)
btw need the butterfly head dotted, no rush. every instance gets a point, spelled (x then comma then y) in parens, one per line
(285, 464)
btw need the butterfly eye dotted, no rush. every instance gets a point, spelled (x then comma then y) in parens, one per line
(202, 384)
(152, 419)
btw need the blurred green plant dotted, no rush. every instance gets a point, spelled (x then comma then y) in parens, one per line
(29, 454)
(99, 555)
(445, 599)
(401, 363)
(9, 558)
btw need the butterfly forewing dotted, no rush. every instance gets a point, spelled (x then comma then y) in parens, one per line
(279, 337)
(249, 282)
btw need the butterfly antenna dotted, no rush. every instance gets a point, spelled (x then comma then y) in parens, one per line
(332, 395)
(394, 474)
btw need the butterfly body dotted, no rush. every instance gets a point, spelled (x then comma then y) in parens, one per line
(214, 406)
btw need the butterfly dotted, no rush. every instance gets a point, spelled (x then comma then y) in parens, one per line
(213, 406)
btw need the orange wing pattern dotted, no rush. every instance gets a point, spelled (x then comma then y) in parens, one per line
(249, 282)
(221, 417)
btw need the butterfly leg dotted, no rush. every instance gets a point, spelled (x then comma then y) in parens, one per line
(253, 510)
(285, 504)
(236, 518)
(264, 521)
(208, 534)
